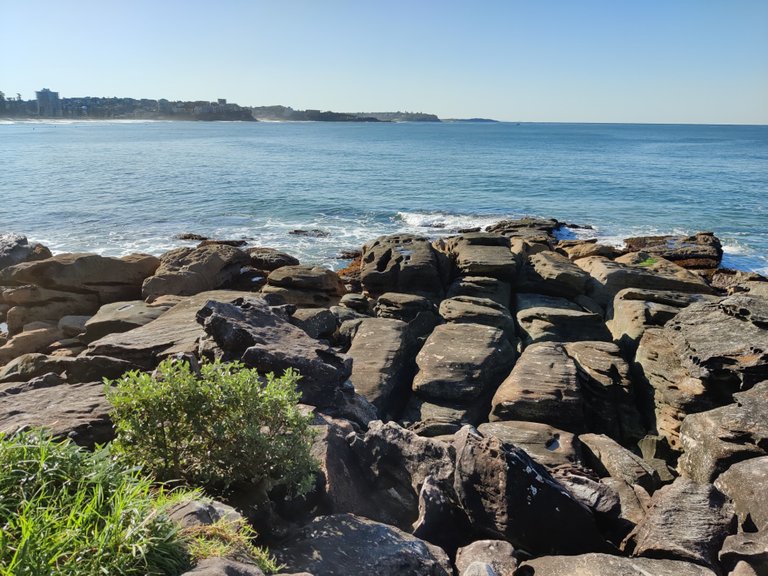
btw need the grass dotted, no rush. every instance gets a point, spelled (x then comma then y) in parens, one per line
(650, 261)
(67, 511)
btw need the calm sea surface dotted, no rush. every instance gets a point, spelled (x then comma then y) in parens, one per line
(119, 187)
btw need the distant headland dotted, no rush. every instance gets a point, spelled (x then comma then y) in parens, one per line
(48, 104)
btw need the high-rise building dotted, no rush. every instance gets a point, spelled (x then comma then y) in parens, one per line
(48, 103)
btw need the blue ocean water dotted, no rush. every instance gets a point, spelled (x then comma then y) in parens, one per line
(118, 187)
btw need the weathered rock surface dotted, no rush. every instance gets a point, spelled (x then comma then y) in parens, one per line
(189, 271)
(482, 254)
(499, 554)
(306, 286)
(77, 369)
(15, 249)
(507, 495)
(744, 483)
(702, 251)
(120, 317)
(532, 229)
(548, 272)
(575, 249)
(462, 362)
(248, 330)
(713, 441)
(403, 263)
(344, 544)
(75, 411)
(608, 458)
(606, 565)
(685, 521)
(319, 323)
(269, 259)
(746, 548)
(223, 567)
(542, 387)
(553, 319)
(32, 340)
(383, 356)
(439, 418)
(473, 310)
(418, 312)
(547, 445)
(482, 287)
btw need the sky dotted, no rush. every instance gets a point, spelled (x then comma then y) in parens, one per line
(645, 61)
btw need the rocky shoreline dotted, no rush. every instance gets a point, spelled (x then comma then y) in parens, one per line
(493, 403)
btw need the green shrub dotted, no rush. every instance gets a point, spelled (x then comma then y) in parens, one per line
(67, 511)
(224, 428)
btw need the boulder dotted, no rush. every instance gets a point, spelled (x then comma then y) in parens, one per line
(610, 405)
(36, 340)
(306, 286)
(529, 228)
(72, 326)
(609, 277)
(473, 310)
(189, 271)
(746, 548)
(15, 249)
(548, 272)
(269, 259)
(715, 440)
(552, 319)
(440, 418)
(508, 496)
(403, 263)
(576, 249)
(542, 387)
(482, 254)
(120, 317)
(499, 554)
(418, 312)
(702, 251)
(482, 287)
(441, 521)
(685, 521)
(383, 354)
(77, 369)
(223, 567)
(606, 565)
(110, 279)
(744, 483)
(319, 323)
(608, 458)
(462, 362)
(343, 544)
(79, 412)
(633, 499)
(549, 446)
(249, 331)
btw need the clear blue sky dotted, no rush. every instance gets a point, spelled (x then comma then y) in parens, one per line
(700, 61)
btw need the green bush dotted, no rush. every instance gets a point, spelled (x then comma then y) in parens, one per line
(224, 428)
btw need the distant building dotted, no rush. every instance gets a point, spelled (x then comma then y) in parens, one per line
(48, 103)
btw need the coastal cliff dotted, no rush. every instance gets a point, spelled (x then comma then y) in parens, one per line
(495, 402)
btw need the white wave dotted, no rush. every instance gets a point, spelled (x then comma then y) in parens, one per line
(446, 222)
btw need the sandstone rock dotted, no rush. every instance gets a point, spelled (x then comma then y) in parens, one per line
(73, 325)
(403, 263)
(547, 445)
(417, 311)
(575, 249)
(608, 458)
(606, 565)
(701, 251)
(15, 249)
(344, 544)
(202, 513)
(223, 567)
(441, 418)
(499, 554)
(189, 271)
(174, 333)
(306, 286)
(441, 521)
(78, 369)
(269, 259)
(319, 323)
(26, 342)
(534, 229)
(357, 302)
(473, 310)
(551, 319)
(715, 440)
(746, 548)
(383, 356)
(744, 483)
(462, 362)
(610, 406)
(633, 498)
(120, 317)
(551, 273)
(76, 411)
(686, 521)
(609, 277)
(482, 254)
(110, 279)
(542, 387)
(482, 287)
(509, 496)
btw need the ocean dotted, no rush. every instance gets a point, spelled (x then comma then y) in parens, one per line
(131, 186)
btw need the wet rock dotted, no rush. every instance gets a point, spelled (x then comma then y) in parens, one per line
(306, 286)
(542, 387)
(482, 287)
(383, 356)
(608, 458)
(685, 521)
(269, 259)
(702, 251)
(344, 544)
(472, 310)
(462, 362)
(507, 495)
(552, 319)
(15, 249)
(715, 440)
(549, 446)
(744, 483)
(499, 554)
(403, 263)
(551, 273)
(532, 229)
(606, 565)
(313, 233)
